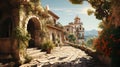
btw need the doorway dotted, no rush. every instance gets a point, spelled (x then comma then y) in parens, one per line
(33, 28)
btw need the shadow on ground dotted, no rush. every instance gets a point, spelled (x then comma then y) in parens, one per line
(80, 62)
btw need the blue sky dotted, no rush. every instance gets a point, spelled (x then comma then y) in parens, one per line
(67, 12)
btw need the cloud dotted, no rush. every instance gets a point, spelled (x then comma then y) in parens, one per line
(72, 11)
(58, 9)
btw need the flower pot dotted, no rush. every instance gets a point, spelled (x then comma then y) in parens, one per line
(48, 51)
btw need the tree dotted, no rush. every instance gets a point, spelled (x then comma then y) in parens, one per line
(101, 7)
(90, 12)
(76, 1)
(90, 41)
(108, 41)
(71, 38)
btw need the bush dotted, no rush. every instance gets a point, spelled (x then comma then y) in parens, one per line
(28, 59)
(47, 45)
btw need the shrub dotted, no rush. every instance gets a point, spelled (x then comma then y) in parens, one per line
(28, 59)
(47, 45)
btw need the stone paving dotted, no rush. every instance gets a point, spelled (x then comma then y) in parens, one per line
(65, 56)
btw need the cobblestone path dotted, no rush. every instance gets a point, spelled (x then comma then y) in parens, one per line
(65, 56)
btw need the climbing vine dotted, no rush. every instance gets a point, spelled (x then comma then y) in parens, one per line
(21, 36)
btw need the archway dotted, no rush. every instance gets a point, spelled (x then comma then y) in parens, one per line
(33, 28)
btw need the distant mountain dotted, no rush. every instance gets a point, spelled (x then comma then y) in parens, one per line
(91, 33)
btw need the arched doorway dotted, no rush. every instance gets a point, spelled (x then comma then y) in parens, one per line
(33, 28)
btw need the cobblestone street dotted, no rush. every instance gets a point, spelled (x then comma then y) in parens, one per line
(65, 56)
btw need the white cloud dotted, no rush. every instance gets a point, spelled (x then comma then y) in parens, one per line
(74, 10)
(58, 9)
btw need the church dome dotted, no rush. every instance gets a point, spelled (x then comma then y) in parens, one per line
(77, 20)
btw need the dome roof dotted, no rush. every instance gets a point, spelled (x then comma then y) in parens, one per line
(77, 18)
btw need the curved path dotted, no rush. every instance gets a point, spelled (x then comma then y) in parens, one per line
(65, 56)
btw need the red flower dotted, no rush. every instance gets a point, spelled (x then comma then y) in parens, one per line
(111, 36)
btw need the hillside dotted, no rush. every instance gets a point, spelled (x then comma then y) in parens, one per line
(90, 34)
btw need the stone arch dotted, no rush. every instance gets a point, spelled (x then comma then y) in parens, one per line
(33, 27)
(30, 17)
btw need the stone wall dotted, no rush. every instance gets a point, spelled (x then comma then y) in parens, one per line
(56, 35)
(20, 12)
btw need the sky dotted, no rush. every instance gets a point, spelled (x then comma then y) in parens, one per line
(68, 11)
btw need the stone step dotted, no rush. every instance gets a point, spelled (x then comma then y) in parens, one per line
(28, 65)
(31, 49)
(33, 52)
(36, 55)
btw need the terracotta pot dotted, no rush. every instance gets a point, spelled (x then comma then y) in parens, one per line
(48, 51)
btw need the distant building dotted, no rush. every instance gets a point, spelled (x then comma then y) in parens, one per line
(76, 28)
(55, 30)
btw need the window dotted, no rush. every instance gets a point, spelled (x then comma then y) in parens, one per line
(6, 28)
(67, 29)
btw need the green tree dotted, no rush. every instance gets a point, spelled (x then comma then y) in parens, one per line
(77, 1)
(71, 38)
(90, 41)
(101, 7)
(90, 12)
(109, 12)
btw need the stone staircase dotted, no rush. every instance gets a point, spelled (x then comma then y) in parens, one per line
(34, 52)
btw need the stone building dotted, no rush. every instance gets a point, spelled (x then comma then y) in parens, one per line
(75, 28)
(23, 24)
(17, 19)
(55, 30)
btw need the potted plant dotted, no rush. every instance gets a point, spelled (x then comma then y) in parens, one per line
(47, 46)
